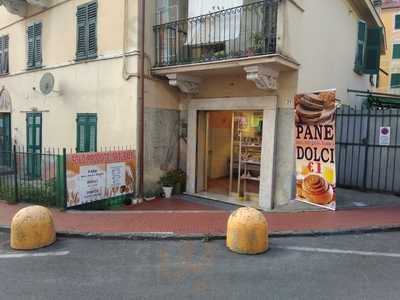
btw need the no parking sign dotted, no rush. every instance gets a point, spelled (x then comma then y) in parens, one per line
(384, 136)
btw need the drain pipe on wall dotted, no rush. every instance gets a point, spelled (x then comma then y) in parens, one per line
(140, 97)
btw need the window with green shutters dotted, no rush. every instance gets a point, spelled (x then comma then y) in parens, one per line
(396, 51)
(397, 22)
(4, 46)
(368, 52)
(86, 133)
(395, 81)
(361, 44)
(34, 42)
(86, 31)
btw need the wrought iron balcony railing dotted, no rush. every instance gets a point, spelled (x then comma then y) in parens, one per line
(237, 32)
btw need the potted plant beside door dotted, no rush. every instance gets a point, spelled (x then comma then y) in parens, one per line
(167, 183)
(173, 181)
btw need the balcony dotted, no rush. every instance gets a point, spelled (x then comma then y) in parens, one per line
(239, 32)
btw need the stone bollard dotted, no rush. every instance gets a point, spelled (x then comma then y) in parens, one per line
(32, 228)
(247, 231)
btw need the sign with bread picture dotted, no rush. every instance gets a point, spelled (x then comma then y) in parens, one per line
(315, 148)
(100, 175)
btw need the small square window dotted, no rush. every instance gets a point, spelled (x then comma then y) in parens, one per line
(395, 81)
(397, 22)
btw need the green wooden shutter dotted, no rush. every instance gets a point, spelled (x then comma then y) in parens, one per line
(92, 29)
(30, 32)
(81, 37)
(397, 22)
(396, 51)
(86, 133)
(373, 51)
(395, 81)
(38, 45)
(6, 51)
(1, 54)
(361, 41)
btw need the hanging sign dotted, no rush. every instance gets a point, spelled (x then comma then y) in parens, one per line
(97, 176)
(315, 148)
(384, 136)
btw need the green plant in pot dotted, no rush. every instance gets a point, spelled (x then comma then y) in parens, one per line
(258, 42)
(174, 179)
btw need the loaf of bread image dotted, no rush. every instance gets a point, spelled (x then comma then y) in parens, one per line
(317, 190)
(313, 109)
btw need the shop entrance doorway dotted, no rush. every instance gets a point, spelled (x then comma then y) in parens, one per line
(229, 145)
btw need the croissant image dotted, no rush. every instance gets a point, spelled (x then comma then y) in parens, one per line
(317, 190)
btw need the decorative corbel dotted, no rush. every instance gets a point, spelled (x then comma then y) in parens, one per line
(264, 77)
(187, 84)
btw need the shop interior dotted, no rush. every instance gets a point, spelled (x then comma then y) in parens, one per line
(229, 156)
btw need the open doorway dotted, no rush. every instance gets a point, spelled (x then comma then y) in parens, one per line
(229, 148)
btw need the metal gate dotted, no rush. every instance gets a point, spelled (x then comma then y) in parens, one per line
(364, 159)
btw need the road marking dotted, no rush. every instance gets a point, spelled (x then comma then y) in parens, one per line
(338, 251)
(40, 254)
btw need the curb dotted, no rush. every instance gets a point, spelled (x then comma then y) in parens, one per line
(171, 236)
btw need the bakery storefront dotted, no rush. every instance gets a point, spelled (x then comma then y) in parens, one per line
(230, 150)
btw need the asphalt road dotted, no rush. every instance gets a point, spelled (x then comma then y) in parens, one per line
(335, 267)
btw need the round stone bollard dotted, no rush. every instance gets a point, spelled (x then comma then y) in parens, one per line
(247, 231)
(32, 228)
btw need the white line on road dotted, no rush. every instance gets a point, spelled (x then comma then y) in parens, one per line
(338, 251)
(40, 254)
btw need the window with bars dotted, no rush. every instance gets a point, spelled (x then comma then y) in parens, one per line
(86, 31)
(4, 46)
(34, 42)
(86, 133)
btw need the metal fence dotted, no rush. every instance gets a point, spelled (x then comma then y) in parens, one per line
(40, 178)
(362, 161)
(32, 177)
(241, 31)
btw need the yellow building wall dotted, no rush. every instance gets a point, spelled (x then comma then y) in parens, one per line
(388, 64)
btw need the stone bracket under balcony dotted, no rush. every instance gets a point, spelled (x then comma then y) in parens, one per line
(264, 77)
(187, 84)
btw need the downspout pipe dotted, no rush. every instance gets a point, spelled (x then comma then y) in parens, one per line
(141, 74)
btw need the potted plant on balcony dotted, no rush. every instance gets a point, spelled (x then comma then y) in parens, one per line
(258, 41)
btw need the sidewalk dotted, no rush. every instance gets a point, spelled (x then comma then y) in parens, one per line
(185, 223)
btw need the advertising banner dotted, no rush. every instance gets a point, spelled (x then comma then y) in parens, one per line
(101, 175)
(315, 148)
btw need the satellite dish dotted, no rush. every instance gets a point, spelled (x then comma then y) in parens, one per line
(47, 83)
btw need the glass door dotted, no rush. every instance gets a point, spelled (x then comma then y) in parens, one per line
(34, 143)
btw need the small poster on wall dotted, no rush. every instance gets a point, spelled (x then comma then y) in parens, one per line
(97, 176)
(315, 148)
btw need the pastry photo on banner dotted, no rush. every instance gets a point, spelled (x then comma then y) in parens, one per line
(315, 117)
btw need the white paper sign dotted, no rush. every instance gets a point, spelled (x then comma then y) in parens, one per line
(115, 178)
(384, 136)
(92, 182)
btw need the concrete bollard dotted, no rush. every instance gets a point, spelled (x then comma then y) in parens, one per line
(32, 228)
(247, 231)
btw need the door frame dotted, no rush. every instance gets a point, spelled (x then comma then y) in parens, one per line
(268, 105)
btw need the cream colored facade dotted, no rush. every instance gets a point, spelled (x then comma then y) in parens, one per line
(92, 86)
(316, 50)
